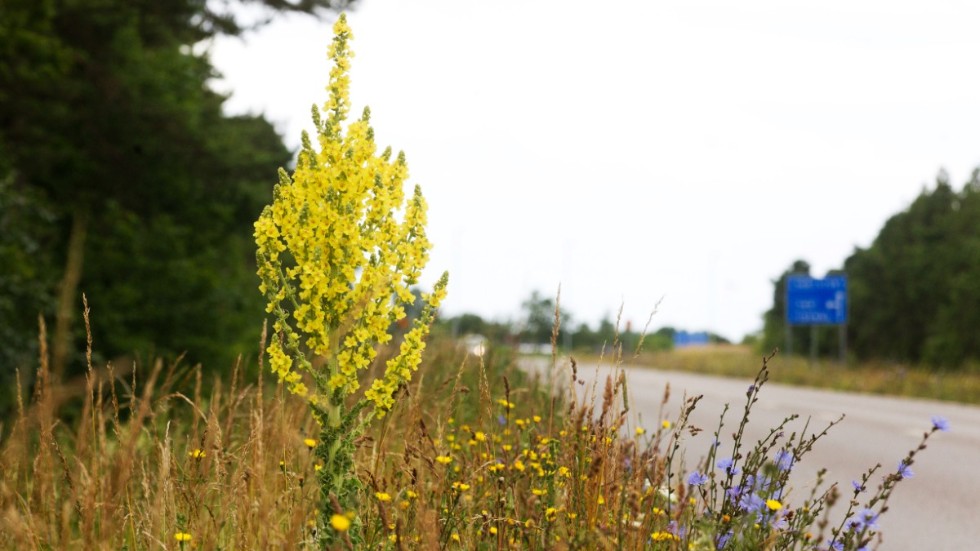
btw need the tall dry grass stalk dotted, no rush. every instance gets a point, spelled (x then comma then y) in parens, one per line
(136, 462)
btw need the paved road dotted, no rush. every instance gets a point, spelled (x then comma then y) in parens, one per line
(937, 509)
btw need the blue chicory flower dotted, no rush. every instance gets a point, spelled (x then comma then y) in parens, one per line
(866, 519)
(697, 479)
(784, 460)
(904, 471)
(722, 540)
(728, 465)
(940, 423)
(752, 503)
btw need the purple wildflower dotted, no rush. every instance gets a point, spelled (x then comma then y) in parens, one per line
(940, 423)
(858, 487)
(752, 503)
(904, 471)
(697, 479)
(866, 519)
(784, 460)
(728, 465)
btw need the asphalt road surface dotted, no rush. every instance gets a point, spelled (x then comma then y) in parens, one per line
(937, 509)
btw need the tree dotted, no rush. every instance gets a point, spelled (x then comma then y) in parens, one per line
(914, 290)
(540, 318)
(107, 123)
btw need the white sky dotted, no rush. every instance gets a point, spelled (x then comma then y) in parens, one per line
(633, 150)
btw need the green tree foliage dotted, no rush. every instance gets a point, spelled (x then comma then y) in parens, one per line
(539, 318)
(124, 179)
(913, 294)
(915, 290)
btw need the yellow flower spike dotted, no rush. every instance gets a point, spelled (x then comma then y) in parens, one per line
(339, 249)
(340, 523)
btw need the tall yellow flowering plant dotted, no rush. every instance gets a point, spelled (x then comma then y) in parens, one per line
(338, 250)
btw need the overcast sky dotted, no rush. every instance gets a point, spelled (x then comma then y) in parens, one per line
(633, 150)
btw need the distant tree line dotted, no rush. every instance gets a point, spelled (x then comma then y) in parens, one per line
(915, 292)
(536, 323)
(121, 177)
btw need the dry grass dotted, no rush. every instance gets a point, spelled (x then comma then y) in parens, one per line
(141, 461)
(474, 455)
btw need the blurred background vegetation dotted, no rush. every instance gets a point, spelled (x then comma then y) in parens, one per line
(121, 177)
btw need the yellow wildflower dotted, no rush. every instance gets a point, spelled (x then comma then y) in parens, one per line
(382, 497)
(773, 505)
(338, 251)
(182, 537)
(340, 523)
(310, 443)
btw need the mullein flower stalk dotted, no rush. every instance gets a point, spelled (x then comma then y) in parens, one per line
(338, 251)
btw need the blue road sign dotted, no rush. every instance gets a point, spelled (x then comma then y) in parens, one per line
(812, 301)
(683, 339)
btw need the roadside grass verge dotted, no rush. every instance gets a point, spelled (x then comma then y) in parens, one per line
(866, 377)
(475, 454)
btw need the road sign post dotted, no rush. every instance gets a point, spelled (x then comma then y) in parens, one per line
(813, 302)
